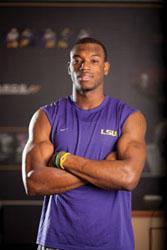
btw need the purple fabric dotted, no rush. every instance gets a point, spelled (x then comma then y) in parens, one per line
(88, 217)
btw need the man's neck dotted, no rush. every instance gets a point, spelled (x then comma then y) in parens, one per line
(87, 100)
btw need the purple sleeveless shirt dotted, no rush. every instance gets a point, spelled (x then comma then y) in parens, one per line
(88, 217)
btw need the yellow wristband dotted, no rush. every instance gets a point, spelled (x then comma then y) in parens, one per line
(62, 159)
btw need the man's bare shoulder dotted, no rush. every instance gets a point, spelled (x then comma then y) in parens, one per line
(39, 127)
(136, 120)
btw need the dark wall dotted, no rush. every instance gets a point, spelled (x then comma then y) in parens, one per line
(132, 35)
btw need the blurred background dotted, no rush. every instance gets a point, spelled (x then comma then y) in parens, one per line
(35, 41)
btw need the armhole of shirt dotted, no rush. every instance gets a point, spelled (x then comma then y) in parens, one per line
(46, 111)
(50, 110)
(129, 111)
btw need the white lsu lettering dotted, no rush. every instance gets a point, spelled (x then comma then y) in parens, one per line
(108, 132)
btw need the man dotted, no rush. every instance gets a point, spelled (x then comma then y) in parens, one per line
(85, 153)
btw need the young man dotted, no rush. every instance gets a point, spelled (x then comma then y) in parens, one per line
(85, 153)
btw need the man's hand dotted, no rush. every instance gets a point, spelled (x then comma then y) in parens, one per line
(112, 156)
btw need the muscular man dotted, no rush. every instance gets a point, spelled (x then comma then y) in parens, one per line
(85, 153)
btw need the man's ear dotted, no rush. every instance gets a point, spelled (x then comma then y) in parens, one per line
(106, 68)
(69, 70)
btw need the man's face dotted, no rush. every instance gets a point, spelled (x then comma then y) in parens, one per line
(87, 66)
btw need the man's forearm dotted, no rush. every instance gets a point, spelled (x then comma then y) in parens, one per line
(47, 181)
(109, 173)
(39, 178)
(104, 174)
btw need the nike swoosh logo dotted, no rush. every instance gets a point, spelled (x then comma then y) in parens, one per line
(63, 129)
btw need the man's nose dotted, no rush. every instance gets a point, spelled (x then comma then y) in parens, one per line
(85, 65)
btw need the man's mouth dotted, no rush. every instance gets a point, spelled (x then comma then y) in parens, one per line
(85, 77)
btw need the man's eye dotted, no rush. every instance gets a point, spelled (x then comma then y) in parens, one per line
(94, 61)
(75, 61)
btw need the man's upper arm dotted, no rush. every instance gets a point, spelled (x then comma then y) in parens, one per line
(131, 145)
(38, 149)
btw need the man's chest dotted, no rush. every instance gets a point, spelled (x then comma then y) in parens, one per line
(93, 138)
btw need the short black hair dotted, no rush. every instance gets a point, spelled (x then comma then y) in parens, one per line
(92, 40)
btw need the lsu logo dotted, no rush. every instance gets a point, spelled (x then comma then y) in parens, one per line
(109, 132)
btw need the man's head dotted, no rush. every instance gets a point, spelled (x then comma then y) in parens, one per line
(92, 41)
(88, 64)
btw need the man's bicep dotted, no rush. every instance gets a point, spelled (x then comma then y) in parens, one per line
(39, 127)
(39, 148)
(131, 145)
(37, 155)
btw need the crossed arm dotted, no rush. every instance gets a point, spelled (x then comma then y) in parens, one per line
(118, 171)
